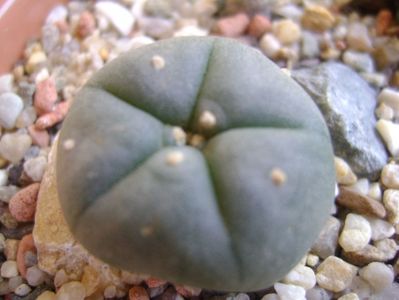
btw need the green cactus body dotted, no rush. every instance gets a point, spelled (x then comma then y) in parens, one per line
(233, 208)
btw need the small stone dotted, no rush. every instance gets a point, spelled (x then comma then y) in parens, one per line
(312, 260)
(390, 176)
(22, 290)
(317, 293)
(118, 15)
(2, 242)
(35, 167)
(6, 192)
(380, 229)
(11, 248)
(26, 244)
(377, 79)
(350, 296)
(86, 24)
(190, 31)
(310, 45)
(334, 274)
(110, 291)
(390, 292)
(383, 250)
(157, 28)
(270, 45)
(42, 75)
(4, 289)
(57, 14)
(356, 233)
(10, 107)
(259, 25)
(327, 241)
(361, 62)
(375, 191)
(154, 282)
(138, 293)
(317, 18)
(26, 118)
(343, 171)
(50, 119)
(30, 259)
(45, 96)
(390, 134)
(73, 290)
(23, 204)
(391, 203)
(360, 203)
(301, 276)
(90, 280)
(390, 97)
(360, 287)
(6, 81)
(60, 278)
(187, 291)
(289, 291)
(14, 282)
(384, 112)
(9, 269)
(361, 186)
(14, 145)
(207, 120)
(3, 177)
(383, 21)
(40, 138)
(35, 276)
(271, 297)
(287, 31)
(8, 220)
(358, 38)
(35, 60)
(232, 26)
(378, 275)
(47, 295)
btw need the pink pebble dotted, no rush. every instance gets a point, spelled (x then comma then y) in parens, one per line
(23, 204)
(259, 25)
(39, 137)
(45, 96)
(154, 282)
(50, 119)
(232, 26)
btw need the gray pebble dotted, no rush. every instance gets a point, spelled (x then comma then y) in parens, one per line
(11, 106)
(362, 62)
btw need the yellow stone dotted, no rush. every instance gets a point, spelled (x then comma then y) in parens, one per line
(56, 247)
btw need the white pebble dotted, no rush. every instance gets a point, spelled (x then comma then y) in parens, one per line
(60, 278)
(362, 62)
(11, 106)
(301, 276)
(6, 192)
(179, 136)
(140, 41)
(35, 167)
(360, 287)
(361, 186)
(334, 274)
(380, 229)
(358, 37)
(190, 31)
(390, 97)
(42, 75)
(14, 145)
(118, 15)
(287, 31)
(57, 14)
(390, 134)
(158, 62)
(375, 191)
(35, 276)
(344, 173)
(73, 290)
(391, 203)
(22, 290)
(350, 296)
(9, 269)
(312, 260)
(289, 291)
(356, 233)
(390, 176)
(378, 275)
(3, 177)
(174, 158)
(6, 81)
(14, 282)
(377, 79)
(270, 45)
(385, 112)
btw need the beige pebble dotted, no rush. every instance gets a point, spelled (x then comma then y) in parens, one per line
(158, 62)
(312, 260)
(9, 269)
(384, 112)
(179, 136)
(390, 135)
(375, 191)
(287, 31)
(390, 176)
(270, 45)
(73, 290)
(390, 97)
(232, 26)
(207, 120)
(11, 248)
(289, 291)
(47, 295)
(174, 158)
(356, 233)
(344, 173)
(301, 276)
(90, 280)
(334, 274)
(358, 37)
(35, 60)
(391, 203)
(317, 18)
(326, 243)
(350, 296)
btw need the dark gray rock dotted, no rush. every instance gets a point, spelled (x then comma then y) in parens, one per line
(347, 103)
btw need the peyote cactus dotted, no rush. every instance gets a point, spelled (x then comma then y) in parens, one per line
(198, 161)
